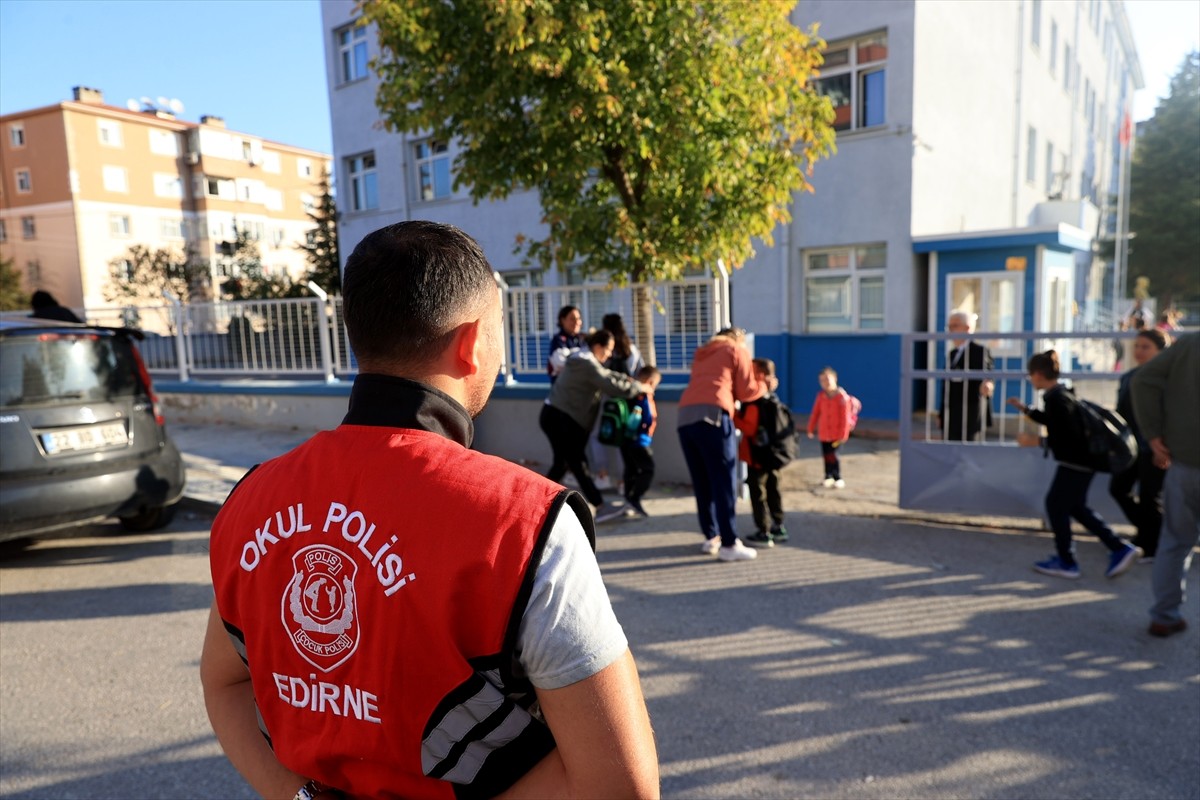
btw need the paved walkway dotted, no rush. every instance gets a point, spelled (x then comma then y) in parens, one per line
(882, 653)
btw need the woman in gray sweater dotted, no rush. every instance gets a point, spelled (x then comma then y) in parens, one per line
(573, 405)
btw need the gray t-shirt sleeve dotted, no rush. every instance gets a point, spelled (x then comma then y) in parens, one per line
(569, 631)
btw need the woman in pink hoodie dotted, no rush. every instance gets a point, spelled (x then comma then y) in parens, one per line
(830, 419)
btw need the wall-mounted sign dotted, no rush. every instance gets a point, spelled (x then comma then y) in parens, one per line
(1015, 263)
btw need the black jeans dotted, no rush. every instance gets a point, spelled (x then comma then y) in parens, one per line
(1067, 498)
(639, 469)
(568, 441)
(1145, 512)
(833, 467)
(765, 501)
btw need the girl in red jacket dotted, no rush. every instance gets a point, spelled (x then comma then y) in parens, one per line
(830, 418)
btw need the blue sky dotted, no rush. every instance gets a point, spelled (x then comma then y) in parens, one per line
(260, 63)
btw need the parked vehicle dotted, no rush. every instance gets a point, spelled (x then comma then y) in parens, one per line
(81, 435)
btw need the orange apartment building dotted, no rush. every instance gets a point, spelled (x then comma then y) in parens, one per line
(82, 181)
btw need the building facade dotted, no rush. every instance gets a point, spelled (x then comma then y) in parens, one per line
(83, 181)
(994, 131)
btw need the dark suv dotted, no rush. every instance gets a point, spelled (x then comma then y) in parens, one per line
(81, 436)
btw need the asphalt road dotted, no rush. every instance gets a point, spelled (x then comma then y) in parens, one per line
(871, 658)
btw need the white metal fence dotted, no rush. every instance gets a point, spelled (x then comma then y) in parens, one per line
(992, 475)
(305, 338)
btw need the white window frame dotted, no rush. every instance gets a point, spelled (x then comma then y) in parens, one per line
(351, 43)
(304, 168)
(119, 225)
(852, 277)
(167, 184)
(16, 134)
(982, 306)
(271, 162)
(1049, 167)
(362, 179)
(1031, 154)
(1035, 24)
(428, 155)
(859, 72)
(1053, 47)
(116, 179)
(24, 180)
(226, 188)
(163, 143)
(172, 228)
(109, 133)
(28, 227)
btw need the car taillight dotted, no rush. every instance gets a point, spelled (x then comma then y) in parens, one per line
(144, 374)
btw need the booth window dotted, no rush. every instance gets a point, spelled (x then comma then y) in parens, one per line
(844, 288)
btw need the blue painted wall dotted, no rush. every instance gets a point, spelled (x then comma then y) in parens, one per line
(868, 366)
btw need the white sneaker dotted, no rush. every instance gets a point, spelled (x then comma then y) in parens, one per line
(603, 483)
(827, 483)
(611, 513)
(739, 552)
(839, 484)
(711, 546)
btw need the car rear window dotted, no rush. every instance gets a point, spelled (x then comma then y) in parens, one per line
(57, 368)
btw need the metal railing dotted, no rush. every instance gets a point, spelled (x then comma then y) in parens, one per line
(305, 338)
(990, 474)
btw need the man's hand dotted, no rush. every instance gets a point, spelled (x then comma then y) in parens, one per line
(985, 388)
(1028, 439)
(1016, 403)
(1161, 454)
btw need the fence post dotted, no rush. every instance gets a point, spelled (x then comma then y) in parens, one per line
(506, 315)
(325, 331)
(180, 332)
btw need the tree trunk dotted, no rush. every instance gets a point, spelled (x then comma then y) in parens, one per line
(643, 323)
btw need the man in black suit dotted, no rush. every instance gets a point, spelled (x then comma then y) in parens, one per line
(966, 403)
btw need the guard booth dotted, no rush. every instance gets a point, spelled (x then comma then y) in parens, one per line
(1021, 285)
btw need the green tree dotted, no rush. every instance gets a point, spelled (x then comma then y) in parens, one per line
(321, 247)
(12, 296)
(660, 135)
(249, 280)
(1164, 210)
(143, 274)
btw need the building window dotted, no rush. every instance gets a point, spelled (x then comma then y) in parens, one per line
(33, 272)
(3, 232)
(433, 169)
(24, 181)
(1031, 155)
(16, 134)
(303, 167)
(308, 203)
(360, 172)
(224, 188)
(1035, 24)
(1067, 67)
(843, 288)
(271, 162)
(28, 228)
(996, 298)
(164, 143)
(352, 52)
(854, 79)
(167, 185)
(170, 228)
(115, 179)
(118, 224)
(1053, 46)
(110, 132)
(1049, 168)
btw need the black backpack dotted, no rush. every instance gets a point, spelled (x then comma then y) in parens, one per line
(774, 444)
(1111, 446)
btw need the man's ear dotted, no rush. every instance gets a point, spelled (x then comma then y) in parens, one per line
(467, 343)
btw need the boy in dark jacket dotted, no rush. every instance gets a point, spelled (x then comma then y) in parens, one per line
(762, 478)
(1067, 498)
(635, 448)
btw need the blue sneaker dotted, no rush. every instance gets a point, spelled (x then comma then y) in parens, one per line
(1054, 566)
(1122, 560)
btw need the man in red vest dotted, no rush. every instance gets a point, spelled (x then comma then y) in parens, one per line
(397, 615)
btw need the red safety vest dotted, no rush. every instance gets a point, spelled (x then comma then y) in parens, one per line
(377, 597)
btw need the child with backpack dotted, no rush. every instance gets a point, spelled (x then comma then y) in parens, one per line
(632, 429)
(834, 414)
(1067, 439)
(768, 445)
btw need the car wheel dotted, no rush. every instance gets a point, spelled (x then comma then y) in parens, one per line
(149, 519)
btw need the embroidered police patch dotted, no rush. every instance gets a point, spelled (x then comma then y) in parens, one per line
(319, 609)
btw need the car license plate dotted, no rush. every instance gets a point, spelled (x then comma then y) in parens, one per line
(90, 437)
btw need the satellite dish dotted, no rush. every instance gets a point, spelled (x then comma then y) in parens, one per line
(132, 105)
(147, 102)
(162, 101)
(176, 105)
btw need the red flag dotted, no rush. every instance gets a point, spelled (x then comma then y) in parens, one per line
(1126, 130)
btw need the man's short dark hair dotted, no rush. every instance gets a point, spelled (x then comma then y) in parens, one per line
(408, 286)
